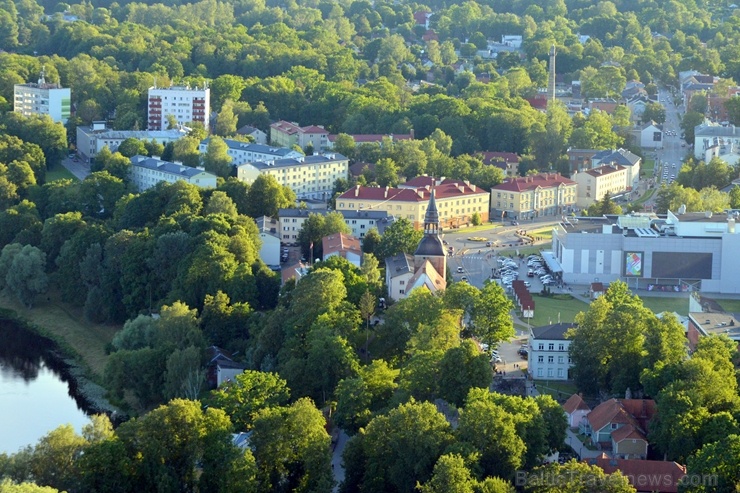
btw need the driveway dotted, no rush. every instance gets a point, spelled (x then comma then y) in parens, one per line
(78, 168)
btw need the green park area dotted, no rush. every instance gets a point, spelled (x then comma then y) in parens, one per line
(59, 173)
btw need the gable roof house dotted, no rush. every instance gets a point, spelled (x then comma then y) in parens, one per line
(343, 245)
(576, 409)
(651, 135)
(221, 367)
(620, 426)
(646, 476)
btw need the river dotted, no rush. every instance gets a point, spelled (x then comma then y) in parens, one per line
(36, 393)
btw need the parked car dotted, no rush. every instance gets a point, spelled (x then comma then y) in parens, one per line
(530, 273)
(464, 278)
(460, 270)
(528, 284)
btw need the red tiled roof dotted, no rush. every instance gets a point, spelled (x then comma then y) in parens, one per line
(340, 242)
(313, 129)
(442, 191)
(575, 403)
(538, 103)
(636, 412)
(604, 170)
(420, 17)
(627, 432)
(644, 475)
(420, 181)
(524, 183)
(489, 157)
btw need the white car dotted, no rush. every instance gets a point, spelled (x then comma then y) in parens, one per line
(459, 270)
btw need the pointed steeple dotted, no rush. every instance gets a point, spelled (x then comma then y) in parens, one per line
(431, 218)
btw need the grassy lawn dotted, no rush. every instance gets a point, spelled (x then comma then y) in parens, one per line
(658, 305)
(558, 389)
(473, 229)
(648, 166)
(59, 173)
(546, 310)
(67, 324)
(730, 305)
(544, 233)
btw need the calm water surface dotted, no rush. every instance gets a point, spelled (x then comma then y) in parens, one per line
(35, 393)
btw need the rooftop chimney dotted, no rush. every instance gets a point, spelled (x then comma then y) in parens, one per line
(357, 190)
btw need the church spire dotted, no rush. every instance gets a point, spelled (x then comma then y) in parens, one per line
(431, 218)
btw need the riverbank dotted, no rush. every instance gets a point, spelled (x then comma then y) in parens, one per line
(79, 346)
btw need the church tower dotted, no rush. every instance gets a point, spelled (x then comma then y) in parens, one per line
(430, 247)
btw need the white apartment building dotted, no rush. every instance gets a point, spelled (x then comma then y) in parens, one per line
(91, 139)
(247, 152)
(309, 177)
(186, 104)
(146, 172)
(42, 98)
(548, 352)
(593, 184)
(360, 222)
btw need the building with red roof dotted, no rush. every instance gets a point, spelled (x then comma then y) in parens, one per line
(646, 476)
(621, 425)
(576, 410)
(544, 194)
(456, 200)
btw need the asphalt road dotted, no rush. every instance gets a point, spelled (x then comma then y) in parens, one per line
(77, 168)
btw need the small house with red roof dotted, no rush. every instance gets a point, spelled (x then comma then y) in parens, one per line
(421, 18)
(621, 425)
(346, 246)
(544, 194)
(576, 410)
(646, 476)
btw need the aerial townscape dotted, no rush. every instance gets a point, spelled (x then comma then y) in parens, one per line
(369, 246)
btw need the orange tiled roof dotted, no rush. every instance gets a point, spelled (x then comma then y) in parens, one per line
(575, 402)
(644, 475)
(525, 183)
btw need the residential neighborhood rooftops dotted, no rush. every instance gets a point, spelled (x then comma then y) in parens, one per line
(165, 166)
(644, 475)
(618, 156)
(634, 412)
(533, 182)
(239, 145)
(291, 128)
(172, 134)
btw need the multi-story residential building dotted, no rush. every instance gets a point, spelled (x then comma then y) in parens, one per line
(288, 134)
(246, 152)
(310, 177)
(548, 352)
(624, 158)
(146, 172)
(42, 98)
(360, 222)
(594, 183)
(456, 202)
(91, 139)
(525, 197)
(187, 104)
